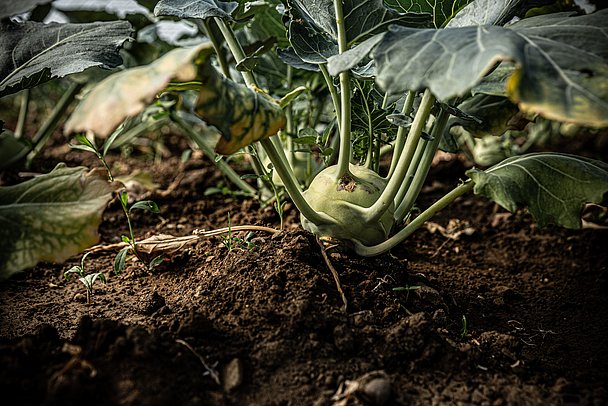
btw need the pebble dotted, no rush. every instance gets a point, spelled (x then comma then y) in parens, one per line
(233, 374)
(378, 390)
(152, 302)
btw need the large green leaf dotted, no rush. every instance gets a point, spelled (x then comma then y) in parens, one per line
(313, 31)
(441, 10)
(127, 93)
(202, 9)
(362, 18)
(51, 217)
(480, 12)
(11, 8)
(554, 187)
(32, 53)
(561, 63)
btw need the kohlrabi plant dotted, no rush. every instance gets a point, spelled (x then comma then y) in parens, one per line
(87, 279)
(363, 93)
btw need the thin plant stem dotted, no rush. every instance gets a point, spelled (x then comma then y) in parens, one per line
(422, 170)
(23, 109)
(209, 153)
(375, 211)
(381, 248)
(401, 132)
(217, 47)
(50, 124)
(236, 49)
(335, 98)
(291, 184)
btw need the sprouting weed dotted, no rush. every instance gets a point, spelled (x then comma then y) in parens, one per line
(121, 257)
(232, 242)
(88, 280)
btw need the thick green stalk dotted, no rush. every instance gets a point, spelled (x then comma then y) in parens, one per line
(50, 124)
(24, 107)
(415, 224)
(290, 127)
(375, 211)
(404, 206)
(236, 49)
(291, 184)
(422, 146)
(401, 132)
(209, 153)
(345, 144)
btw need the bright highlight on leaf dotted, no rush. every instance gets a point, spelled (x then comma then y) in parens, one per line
(128, 93)
(51, 217)
(202, 9)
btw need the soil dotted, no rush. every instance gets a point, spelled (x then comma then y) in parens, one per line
(496, 312)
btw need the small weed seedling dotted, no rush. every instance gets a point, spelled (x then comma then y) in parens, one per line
(464, 331)
(123, 197)
(121, 257)
(88, 280)
(231, 242)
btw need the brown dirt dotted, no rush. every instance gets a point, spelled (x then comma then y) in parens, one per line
(505, 314)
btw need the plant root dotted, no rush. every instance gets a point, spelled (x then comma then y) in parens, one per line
(210, 371)
(165, 242)
(333, 271)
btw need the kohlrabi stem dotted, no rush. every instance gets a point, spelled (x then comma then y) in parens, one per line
(415, 224)
(335, 98)
(345, 145)
(401, 132)
(209, 153)
(291, 184)
(50, 124)
(23, 108)
(217, 47)
(375, 211)
(421, 171)
(236, 49)
(290, 128)
(422, 146)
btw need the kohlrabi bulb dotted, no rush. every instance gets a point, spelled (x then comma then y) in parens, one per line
(343, 201)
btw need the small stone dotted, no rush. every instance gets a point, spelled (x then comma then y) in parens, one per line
(362, 318)
(151, 303)
(378, 390)
(79, 297)
(232, 376)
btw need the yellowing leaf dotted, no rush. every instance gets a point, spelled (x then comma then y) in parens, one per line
(242, 115)
(128, 93)
(51, 217)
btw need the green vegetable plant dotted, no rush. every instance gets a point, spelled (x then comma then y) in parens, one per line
(87, 279)
(353, 84)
